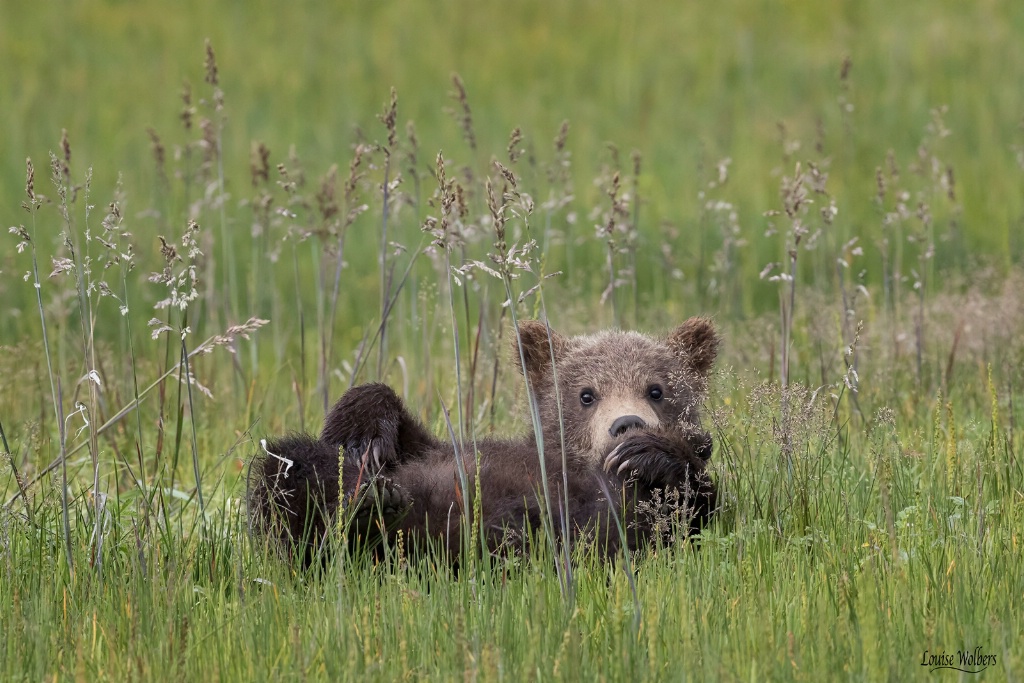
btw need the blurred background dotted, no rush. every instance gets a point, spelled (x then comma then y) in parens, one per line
(685, 84)
(896, 128)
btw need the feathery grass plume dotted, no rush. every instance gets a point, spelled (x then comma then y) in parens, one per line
(794, 200)
(65, 160)
(26, 241)
(463, 115)
(326, 195)
(331, 240)
(849, 298)
(716, 211)
(412, 169)
(633, 235)
(844, 100)
(389, 119)
(120, 251)
(508, 261)
(159, 155)
(851, 378)
(352, 212)
(795, 193)
(908, 204)
(259, 163)
(263, 221)
(183, 153)
(183, 286)
(210, 64)
(606, 230)
(291, 179)
(515, 149)
(117, 250)
(181, 282)
(117, 241)
(216, 198)
(559, 198)
(441, 229)
(188, 110)
(33, 202)
(80, 265)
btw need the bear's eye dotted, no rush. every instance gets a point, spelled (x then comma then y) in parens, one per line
(587, 397)
(654, 392)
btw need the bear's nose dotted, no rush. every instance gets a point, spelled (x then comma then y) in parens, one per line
(625, 422)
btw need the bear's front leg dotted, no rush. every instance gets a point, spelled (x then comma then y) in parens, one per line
(663, 460)
(372, 424)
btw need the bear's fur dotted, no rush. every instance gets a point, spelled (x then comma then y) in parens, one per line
(618, 408)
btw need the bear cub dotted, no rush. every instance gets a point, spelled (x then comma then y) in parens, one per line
(619, 442)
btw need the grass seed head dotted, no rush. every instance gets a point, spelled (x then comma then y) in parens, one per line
(187, 110)
(514, 142)
(259, 164)
(389, 118)
(464, 116)
(30, 180)
(210, 64)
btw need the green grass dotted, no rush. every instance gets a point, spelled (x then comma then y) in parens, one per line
(860, 529)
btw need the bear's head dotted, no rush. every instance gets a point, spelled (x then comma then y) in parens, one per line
(611, 382)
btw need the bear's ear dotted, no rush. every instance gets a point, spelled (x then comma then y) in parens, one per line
(695, 342)
(536, 353)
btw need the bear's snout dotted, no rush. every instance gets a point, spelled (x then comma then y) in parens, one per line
(624, 423)
(617, 416)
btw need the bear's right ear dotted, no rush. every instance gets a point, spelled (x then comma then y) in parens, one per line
(695, 342)
(536, 353)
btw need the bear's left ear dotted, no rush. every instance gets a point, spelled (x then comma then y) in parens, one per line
(695, 342)
(536, 353)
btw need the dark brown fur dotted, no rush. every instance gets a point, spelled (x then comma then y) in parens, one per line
(397, 476)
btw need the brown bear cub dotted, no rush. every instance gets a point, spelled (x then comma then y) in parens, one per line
(619, 440)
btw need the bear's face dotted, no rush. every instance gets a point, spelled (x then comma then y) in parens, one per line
(612, 382)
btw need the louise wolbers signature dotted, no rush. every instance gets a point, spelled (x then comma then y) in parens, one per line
(968, 661)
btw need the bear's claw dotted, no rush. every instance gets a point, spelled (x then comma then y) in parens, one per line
(610, 459)
(618, 460)
(614, 461)
(372, 454)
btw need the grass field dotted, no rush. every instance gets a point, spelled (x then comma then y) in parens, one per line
(231, 233)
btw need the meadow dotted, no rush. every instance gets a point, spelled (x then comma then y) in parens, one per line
(222, 216)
